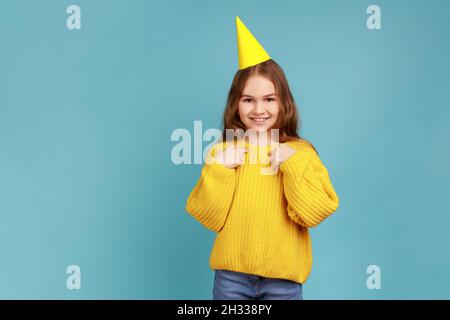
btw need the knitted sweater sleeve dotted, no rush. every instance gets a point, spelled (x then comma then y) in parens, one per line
(309, 193)
(210, 200)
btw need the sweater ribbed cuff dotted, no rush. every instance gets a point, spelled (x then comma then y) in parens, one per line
(308, 189)
(218, 171)
(210, 200)
(296, 164)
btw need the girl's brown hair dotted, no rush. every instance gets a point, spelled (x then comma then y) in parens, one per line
(288, 117)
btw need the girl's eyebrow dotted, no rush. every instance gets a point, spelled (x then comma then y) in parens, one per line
(265, 96)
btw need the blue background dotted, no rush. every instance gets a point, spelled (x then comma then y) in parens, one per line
(86, 118)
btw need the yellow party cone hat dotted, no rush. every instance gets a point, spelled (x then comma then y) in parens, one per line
(250, 51)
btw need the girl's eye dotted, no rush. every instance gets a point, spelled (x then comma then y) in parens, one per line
(247, 100)
(270, 99)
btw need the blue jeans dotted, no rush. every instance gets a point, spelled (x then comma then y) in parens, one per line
(232, 285)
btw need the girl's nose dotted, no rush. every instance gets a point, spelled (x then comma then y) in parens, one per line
(259, 108)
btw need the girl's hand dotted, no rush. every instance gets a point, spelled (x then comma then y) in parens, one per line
(232, 156)
(279, 154)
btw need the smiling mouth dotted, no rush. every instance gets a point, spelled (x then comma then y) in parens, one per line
(259, 119)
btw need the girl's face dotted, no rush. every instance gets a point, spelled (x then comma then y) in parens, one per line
(259, 105)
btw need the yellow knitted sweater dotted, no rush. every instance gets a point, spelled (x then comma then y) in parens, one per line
(262, 220)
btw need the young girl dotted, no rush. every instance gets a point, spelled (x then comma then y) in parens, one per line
(262, 249)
